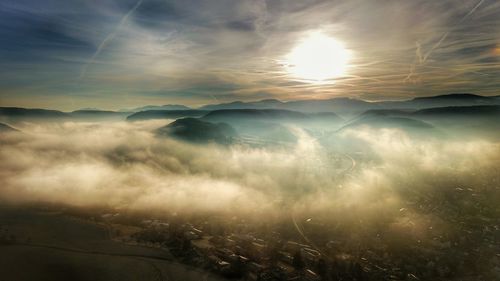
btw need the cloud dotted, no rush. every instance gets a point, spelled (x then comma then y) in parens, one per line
(165, 44)
(109, 38)
(123, 165)
(375, 190)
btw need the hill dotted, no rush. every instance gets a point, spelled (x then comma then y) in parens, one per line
(352, 106)
(262, 104)
(392, 122)
(16, 114)
(440, 101)
(195, 130)
(466, 112)
(157, 107)
(270, 115)
(273, 125)
(385, 112)
(98, 114)
(465, 121)
(478, 119)
(165, 114)
(32, 112)
(341, 105)
(344, 106)
(254, 114)
(461, 111)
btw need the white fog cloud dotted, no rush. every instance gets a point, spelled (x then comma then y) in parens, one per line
(124, 165)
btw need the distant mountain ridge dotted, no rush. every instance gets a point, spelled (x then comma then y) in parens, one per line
(451, 100)
(329, 105)
(446, 111)
(262, 104)
(452, 96)
(165, 114)
(157, 107)
(469, 111)
(344, 105)
(20, 111)
(273, 125)
(478, 118)
(15, 114)
(389, 122)
(98, 113)
(255, 114)
(271, 115)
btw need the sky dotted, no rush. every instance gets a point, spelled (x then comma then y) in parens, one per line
(113, 54)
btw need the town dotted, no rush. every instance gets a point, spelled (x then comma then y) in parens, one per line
(248, 250)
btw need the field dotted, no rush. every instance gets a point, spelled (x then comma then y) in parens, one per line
(40, 245)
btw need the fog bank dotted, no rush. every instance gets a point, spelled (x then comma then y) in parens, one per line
(124, 165)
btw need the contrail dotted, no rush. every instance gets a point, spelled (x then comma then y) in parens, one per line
(418, 56)
(472, 11)
(435, 47)
(423, 59)
(448, 32)
(108, 39)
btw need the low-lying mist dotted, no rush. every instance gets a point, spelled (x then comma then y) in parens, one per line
(367, 172)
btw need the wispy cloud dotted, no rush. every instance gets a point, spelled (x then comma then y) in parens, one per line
(109, 38)
(399, 49)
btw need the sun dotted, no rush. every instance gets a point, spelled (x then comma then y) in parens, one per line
(317, 58)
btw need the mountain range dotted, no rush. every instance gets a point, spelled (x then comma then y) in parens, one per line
(343, 106)
(157, 107)
(272, 119)
(352, 106)
(165, 114)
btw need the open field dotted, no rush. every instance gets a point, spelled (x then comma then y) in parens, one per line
(52, 246)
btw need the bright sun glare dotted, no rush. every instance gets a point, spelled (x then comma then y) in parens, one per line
(318, 57)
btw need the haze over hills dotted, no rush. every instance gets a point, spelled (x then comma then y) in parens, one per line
(273, 119)
(157, 107)
(341, 105)
(338, 105)
(409, 125)
(469, 112)
(442, 101)
(456, 111)
(482, 119)
(465, 111)
(255, 114)
(99, 115)
(350, 106)
(274, 124)
(262, 104)
(18, 113)
(165, 114)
